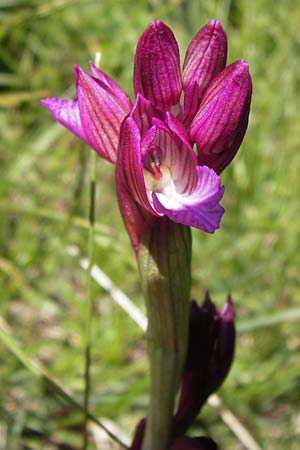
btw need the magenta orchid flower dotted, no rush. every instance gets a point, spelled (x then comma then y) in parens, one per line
(157, 170)
(158, 175)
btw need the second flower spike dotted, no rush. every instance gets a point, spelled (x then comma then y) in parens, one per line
(210, 354)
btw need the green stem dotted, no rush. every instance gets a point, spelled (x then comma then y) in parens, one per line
(90, 306)
(164, 262)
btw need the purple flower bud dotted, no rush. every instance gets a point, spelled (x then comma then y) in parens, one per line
(138, 435)
(156, 66)
(205, 58)
(221, 122)
(210, 353)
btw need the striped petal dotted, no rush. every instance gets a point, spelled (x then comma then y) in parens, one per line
(135, 218)
(143, 113)
(111, 86)
(156, 66)
(131, 191)
(101, 114)
(205, 58)
(220, 125)
(66, 112)
(200, 209)
(130, 163)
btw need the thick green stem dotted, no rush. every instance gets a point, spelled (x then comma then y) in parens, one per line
(164, 262)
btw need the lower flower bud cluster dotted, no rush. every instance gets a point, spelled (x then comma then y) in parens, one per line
(210, 354)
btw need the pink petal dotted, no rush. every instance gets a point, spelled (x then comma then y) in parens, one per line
(130, 163)
(142, 113)
(205, 58)
(156, 66)
(131, 190)
(66, 112)
(180, 131)
(220, 125)
(200, 209)
(101, 114)
(112, 87)
(135, 218)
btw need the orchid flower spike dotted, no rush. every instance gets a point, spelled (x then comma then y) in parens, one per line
(158, 175)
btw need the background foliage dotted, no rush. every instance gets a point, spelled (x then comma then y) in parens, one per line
(44, 209)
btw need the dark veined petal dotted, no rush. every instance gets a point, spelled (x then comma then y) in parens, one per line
(135, 218)
(220, 125)
(156, 66)
(112, 86)
(101, 114)
(132, 197)
(205, 58)
(200, 209)
(130, 163)
(142, 113)
(66, 112)
(180, 131)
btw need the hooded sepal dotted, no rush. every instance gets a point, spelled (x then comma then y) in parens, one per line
(205, 58)
(221, 122)
(156, 66)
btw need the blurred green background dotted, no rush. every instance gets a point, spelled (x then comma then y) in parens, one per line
(44, 190)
